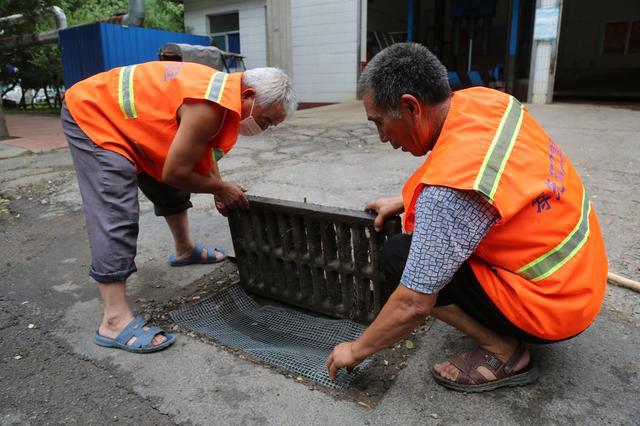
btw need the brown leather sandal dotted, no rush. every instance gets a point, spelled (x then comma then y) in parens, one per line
(470, 380)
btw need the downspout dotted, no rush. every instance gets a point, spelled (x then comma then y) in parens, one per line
(135, 14)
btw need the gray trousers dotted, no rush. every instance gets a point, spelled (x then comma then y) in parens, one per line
(108, 185)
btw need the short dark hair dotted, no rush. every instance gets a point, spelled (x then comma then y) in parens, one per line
(404, 68)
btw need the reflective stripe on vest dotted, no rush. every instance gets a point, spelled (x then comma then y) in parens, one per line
(125, 92)
(216, 87)
(500, 149)
(553, 260)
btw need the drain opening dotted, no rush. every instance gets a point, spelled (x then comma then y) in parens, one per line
(324, 260)
(282, 337)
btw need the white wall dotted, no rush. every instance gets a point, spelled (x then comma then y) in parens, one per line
(252, 21)
(324, 38)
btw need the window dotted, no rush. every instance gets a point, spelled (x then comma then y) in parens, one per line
(225, 31)
(622, 38)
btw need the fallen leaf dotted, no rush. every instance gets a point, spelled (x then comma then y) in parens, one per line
(408, 344)
(300, 379)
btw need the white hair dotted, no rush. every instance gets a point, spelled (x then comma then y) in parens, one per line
(272, 86)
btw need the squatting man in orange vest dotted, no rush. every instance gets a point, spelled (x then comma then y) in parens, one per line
(501, 240)
(159, 126)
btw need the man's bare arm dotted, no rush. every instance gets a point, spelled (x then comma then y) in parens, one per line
(403, 312)
(198, 123)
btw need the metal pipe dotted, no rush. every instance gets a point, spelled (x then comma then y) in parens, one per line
(28, 40)
(135, 14)
(60, 17)
(12, 19)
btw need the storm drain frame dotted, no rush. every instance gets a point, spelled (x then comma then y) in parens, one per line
(324, 259)
(289, 339)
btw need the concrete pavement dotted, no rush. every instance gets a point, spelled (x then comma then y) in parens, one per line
(53, 373)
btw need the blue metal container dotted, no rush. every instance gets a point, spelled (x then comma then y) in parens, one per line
(93, 48)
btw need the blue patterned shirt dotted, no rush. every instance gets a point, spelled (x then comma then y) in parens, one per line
(449, 225)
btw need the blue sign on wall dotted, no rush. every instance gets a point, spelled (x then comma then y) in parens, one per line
(546, 25)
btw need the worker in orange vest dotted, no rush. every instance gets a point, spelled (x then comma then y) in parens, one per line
(501, 239)
(162, 127)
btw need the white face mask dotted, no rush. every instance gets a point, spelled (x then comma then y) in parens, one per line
(249, 126)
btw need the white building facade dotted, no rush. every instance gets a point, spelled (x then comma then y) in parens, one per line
(316, 42)
(536, 49)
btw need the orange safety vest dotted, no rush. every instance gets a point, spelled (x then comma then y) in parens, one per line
(543, 263)
(132, 110)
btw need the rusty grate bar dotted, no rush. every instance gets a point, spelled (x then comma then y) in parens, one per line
(323, 259)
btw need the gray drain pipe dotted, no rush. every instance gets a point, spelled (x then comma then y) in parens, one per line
(58, 14)
(134, 17)
(135, 14)
(33, 39)
(60, 17)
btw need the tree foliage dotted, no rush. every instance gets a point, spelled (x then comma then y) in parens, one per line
(40, 66)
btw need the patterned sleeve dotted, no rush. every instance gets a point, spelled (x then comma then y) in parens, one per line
(449, 225)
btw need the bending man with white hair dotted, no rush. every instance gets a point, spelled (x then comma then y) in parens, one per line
(162, 127)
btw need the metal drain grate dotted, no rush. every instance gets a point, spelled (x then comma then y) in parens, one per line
(319, 258)
(289, 339)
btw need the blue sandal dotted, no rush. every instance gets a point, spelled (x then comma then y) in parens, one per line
(196, 257)
(142, 344)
